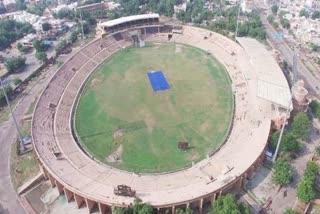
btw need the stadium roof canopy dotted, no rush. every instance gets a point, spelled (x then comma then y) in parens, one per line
(272, 85)
(121, 20)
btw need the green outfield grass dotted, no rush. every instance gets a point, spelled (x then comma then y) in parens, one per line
(119, 115)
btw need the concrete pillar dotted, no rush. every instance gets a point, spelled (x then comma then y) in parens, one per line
(69, 195)
(201, 206)
(90, 205)
(261, 159)
(188, 205)
(214, 198)
(250, 172)
(220, 193)
(173, 209)
(51, 179)
(239, 184)
(245, 177)
(45, 173)
(102, 208)
(79, 200)
(59, 187)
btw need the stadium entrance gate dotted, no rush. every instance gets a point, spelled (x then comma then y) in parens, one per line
(136, 39)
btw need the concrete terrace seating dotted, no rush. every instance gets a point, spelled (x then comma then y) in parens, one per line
(118, 37)
(44, 116)
(92, 49)
(166, 29)
(80, 177)
(107, 41)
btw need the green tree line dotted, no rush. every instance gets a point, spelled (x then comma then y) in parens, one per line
(11, 30)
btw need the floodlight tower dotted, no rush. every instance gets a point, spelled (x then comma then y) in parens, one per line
(294, 79)
(12, 115)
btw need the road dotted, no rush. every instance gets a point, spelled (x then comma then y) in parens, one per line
(282, 201)
(312, 83)
(8, 198)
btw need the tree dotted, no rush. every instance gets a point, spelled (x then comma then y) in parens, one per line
(270, 19)
(138, 208)
(275, 25)
(11, 30)
(305, 191)
(64, 13)
(74, 36)
(46, 26)
(282, 172)
(85, 26)
(40, 46)
(285, 23)
(300, 126)
(318, 151)
(315, 47)
(274, 141)
(23, 49)
(7, 89)
(274, 9)
(315, 108)
(17, 81)
(61, 45)
(315, 15)
(304, 13)
(4, 42)
(290, 211)
(91, 21)
(35, 10)
(21, 5)
(90, 2)
(3, 10)
(14, 64)
(181, 211)
(311, 171)
(39, 8)
(41, 56)
(288, 142)
(141, 208)
(228, 204)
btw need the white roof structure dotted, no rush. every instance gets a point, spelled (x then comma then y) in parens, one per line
(128, 19)
(272, 85)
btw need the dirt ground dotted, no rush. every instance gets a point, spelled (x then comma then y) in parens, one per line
(260, 188)
(22, 167)
(45, 199)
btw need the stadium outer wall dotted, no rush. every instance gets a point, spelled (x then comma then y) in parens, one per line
(234, 186)
(82, 200)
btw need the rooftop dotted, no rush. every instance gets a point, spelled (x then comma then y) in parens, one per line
(272, 85)
(128, 19)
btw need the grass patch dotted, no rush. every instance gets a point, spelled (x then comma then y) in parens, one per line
(25, 128)
(4, 113)
(22, 167)
(118, 106)
(32, 105)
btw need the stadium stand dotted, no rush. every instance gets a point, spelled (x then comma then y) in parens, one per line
(90, 183)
